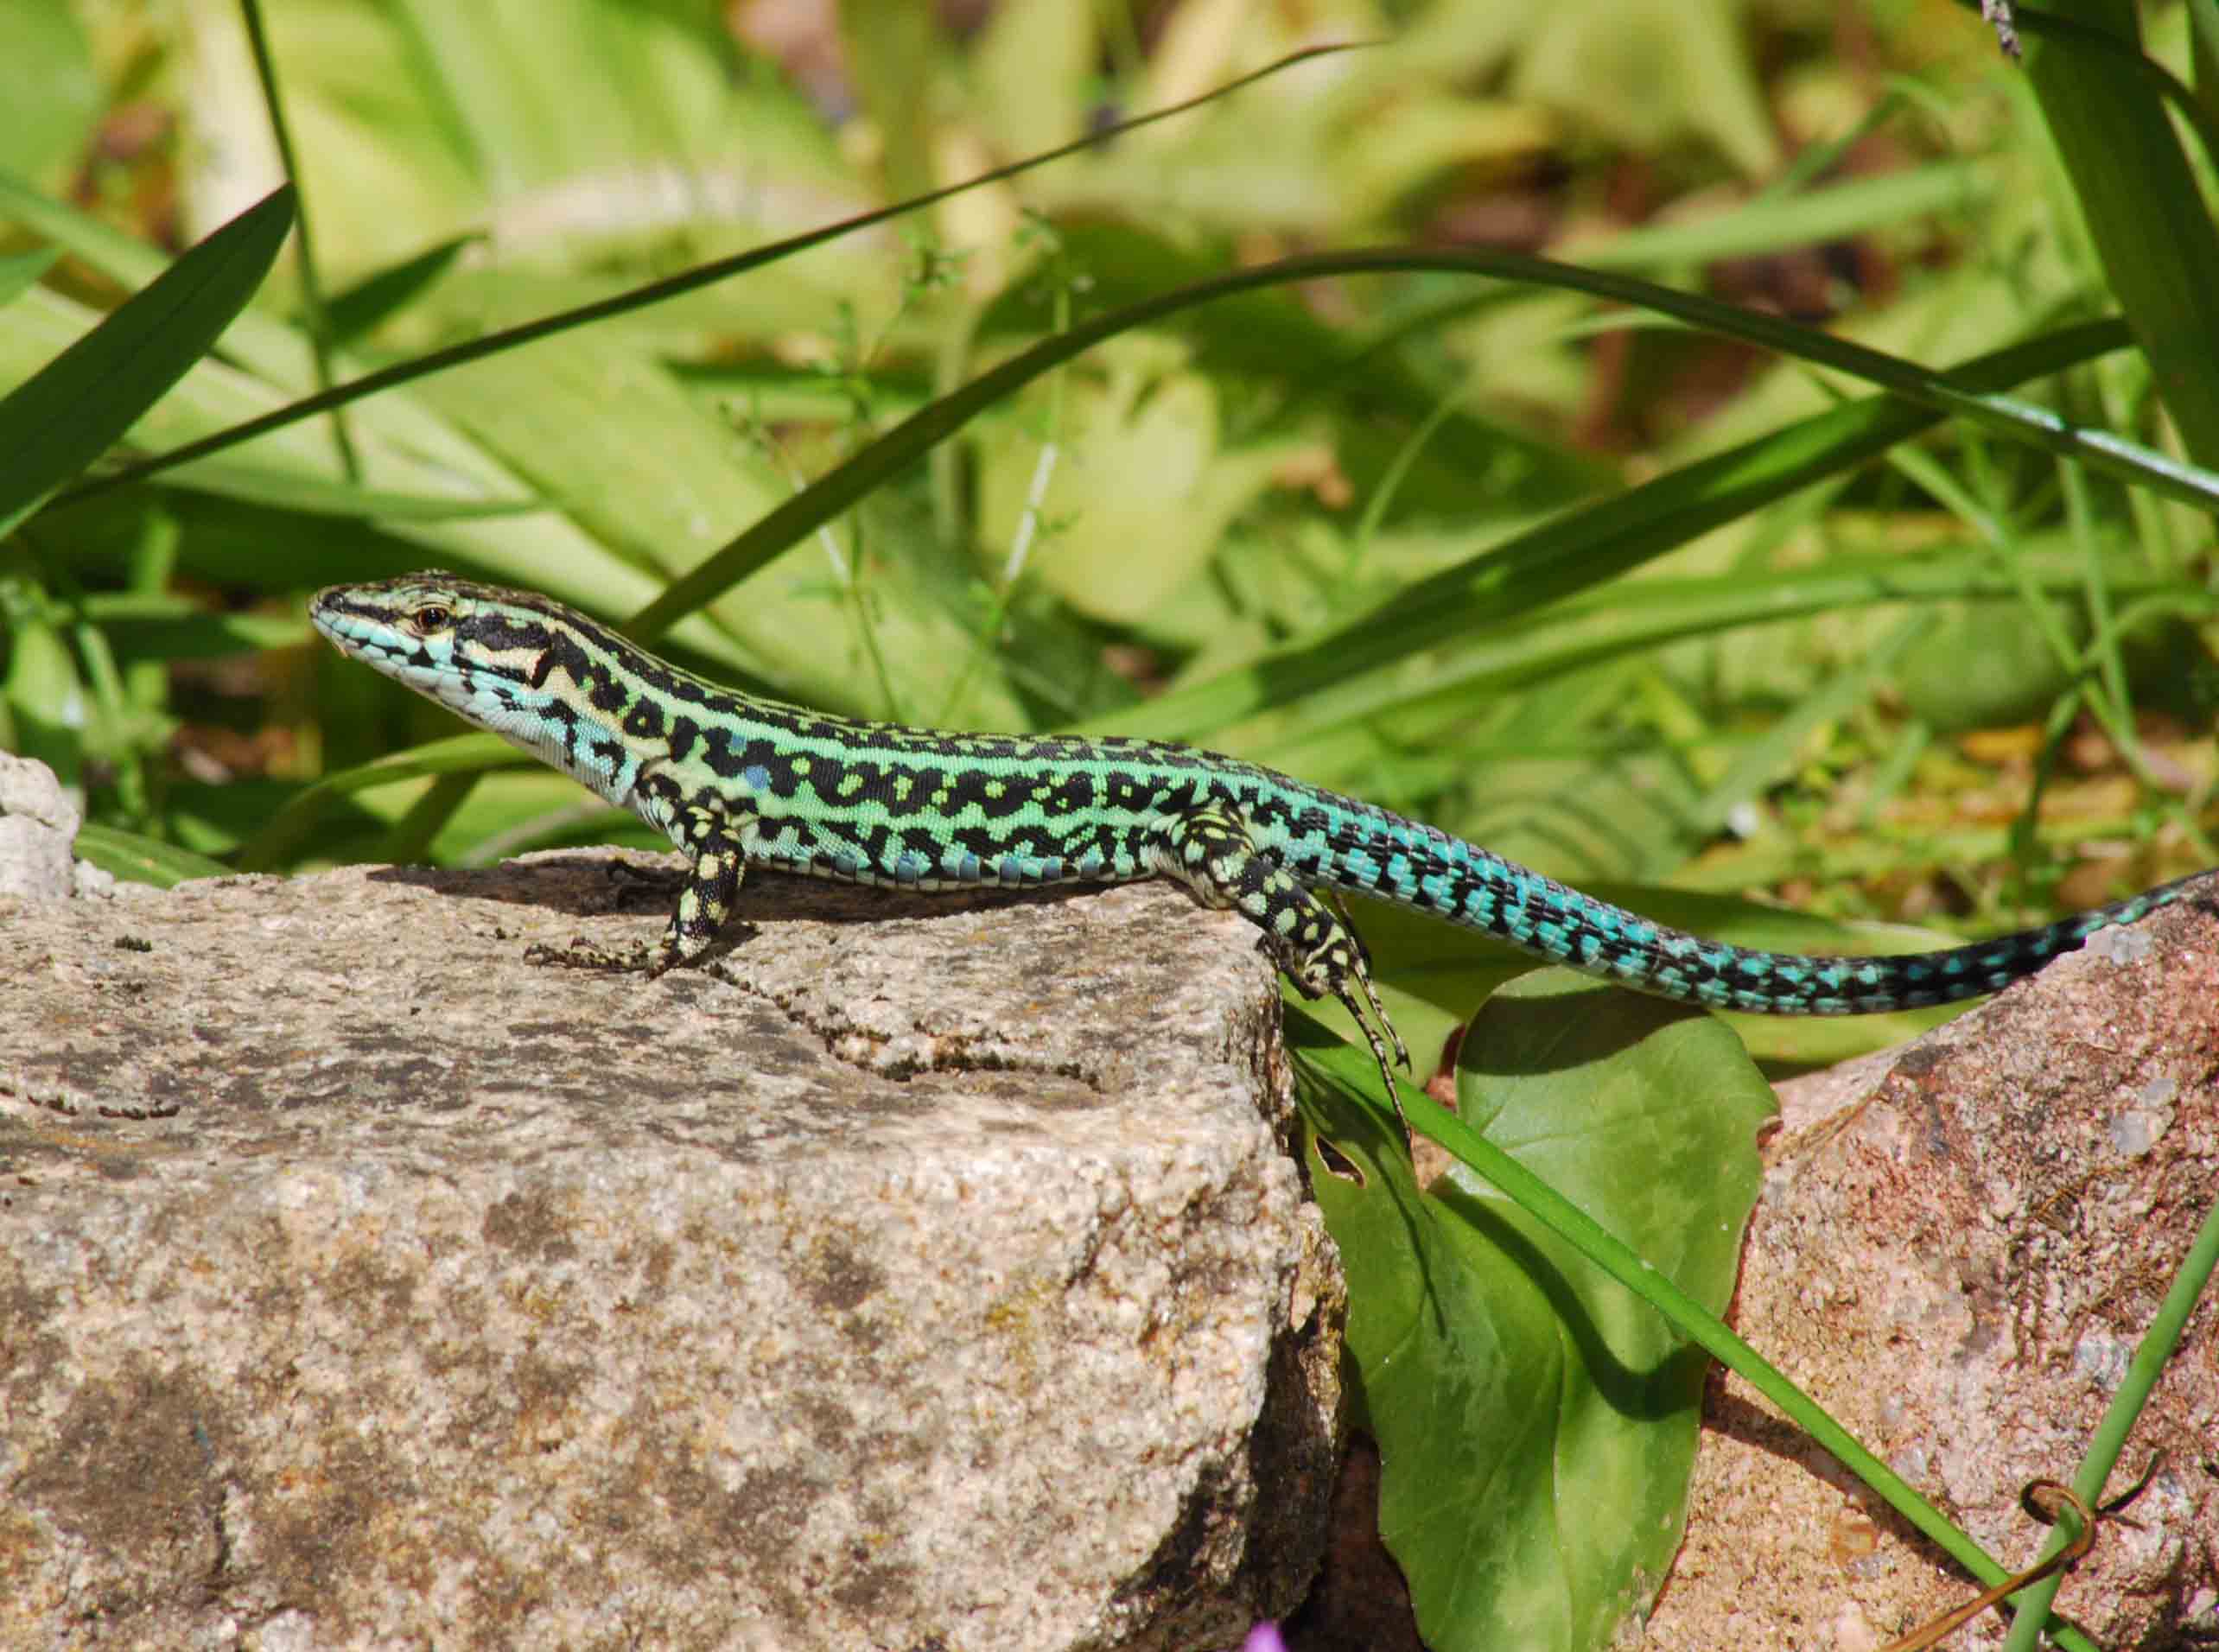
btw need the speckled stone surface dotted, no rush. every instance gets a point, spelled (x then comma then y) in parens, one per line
(1959, 1247)
(928, 1274)
(37, 823)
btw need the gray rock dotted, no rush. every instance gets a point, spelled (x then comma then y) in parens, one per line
(89, 882)
(931, 1274)
(38, 823)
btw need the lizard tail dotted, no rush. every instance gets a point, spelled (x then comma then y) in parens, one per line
(1477, 889)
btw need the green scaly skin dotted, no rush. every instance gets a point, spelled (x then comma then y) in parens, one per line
(735, 781)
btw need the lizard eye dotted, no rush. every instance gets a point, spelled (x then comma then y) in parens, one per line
(431, 618)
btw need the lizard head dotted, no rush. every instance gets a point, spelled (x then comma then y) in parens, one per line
(479, 649)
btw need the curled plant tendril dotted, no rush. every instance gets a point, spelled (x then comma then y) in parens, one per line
(2044, 1500)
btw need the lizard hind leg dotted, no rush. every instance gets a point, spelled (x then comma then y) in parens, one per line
(1208, 848)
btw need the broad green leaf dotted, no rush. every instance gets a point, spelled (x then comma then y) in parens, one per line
(613, 441)
(311, 494)
(80, 403)
(379, 149)
(418, 470)
(624, 450)
(1536, 1421)
(1650, 74)
(891, 46)
(1110, 550)
(551, 91)
(159, 625)
(1034, 70)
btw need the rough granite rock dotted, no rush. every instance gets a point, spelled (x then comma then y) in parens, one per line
(38, 824)
(930, 1274)
(1959, 1245)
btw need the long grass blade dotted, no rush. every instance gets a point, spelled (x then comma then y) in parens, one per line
(80, 403)
(653, 293)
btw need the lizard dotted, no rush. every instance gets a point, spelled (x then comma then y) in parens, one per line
(735, 780)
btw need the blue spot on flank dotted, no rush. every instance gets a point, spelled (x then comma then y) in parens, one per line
(1010, 869)
(969, 868)
(1051, 867)
(755, 778)
(1089, 864)
(908, 867)
(846, 862)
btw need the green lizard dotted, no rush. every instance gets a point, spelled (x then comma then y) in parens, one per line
(735, 780)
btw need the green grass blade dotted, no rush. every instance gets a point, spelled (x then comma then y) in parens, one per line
(312, 295)
(460, 754)
(1839, 212)
(1593, 544)
(2144, 210)
(22, 271)
(136, 859)
(152, 624)
(361, 307)
(1625, 621)
(653, 293)
(263, 343)
(82, 402)
(1940, 393)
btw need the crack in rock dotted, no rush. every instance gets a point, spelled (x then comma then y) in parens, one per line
(848, 1042)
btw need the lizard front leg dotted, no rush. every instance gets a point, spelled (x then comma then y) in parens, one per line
(717, 850)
